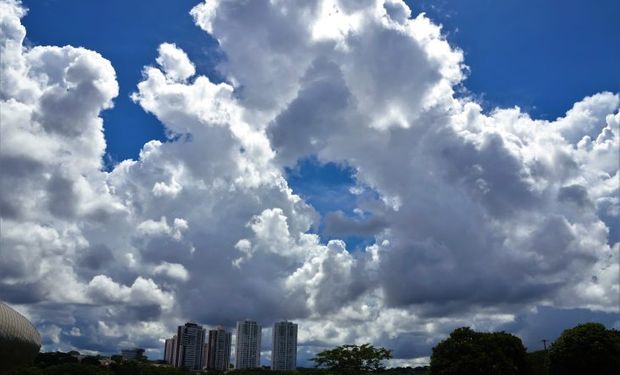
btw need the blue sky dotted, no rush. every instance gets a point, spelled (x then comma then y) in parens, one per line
(454, 208)
(540, 55)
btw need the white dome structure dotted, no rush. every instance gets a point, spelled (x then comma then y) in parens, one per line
(19, 339)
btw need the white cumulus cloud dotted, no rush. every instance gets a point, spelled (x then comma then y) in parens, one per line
(474, 217)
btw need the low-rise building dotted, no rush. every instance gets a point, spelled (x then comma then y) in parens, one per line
(134, 354)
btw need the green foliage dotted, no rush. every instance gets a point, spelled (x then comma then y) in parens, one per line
(74, 369)
(586, 349)
(24, 371)
(139, 368)
(468, 352)
(407, 371)
(266, 371)
(54, 358)
(353, 359)
(62, 369)
(90, 368)
(136, 368)
(255, 371)
(425, 370)
(91, 360)
(538, 362)
(311, 371)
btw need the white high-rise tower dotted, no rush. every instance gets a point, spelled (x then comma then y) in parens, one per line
(248, 344)
(284, 352)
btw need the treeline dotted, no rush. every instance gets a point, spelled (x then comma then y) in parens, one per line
(58, 363)
(64, 364)
(585, 349)
(136, 368)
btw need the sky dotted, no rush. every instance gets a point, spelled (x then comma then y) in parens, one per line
(376, 170)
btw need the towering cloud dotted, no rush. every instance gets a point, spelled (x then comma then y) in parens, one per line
(474, 217)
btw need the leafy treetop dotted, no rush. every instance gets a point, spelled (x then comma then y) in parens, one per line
(588, 348)
(467, 352)
(353, 359)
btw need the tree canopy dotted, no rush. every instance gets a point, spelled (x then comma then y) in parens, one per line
(586, 349)
(353, 359)
(467, 352)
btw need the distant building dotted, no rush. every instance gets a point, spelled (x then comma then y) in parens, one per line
(248, 344)
(284, 352)
(188, 347)
(169, 346)
(205, 355)
(218, 352)
(132, 354)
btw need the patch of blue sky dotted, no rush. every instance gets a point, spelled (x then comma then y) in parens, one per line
(541, 55)
(327, 187)
(324, 185)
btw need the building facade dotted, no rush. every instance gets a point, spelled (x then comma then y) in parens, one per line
(248, 344)
(218, 352)
(205, 355)
(19, 339)
(135, 354)
(188, 346)
(284, 351)
(169, 346)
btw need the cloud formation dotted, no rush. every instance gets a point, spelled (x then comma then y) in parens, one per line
(475, 217)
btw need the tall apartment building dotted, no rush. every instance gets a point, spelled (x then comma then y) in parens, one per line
(186, 348)
(218, 352)
(205, 355)
(284, 351)
(169, 349)
(248, 344)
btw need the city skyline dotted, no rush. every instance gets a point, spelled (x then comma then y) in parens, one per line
(376, 171)
(217, 349)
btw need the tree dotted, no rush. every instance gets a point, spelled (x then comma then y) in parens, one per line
(54, 358)
(538, 362)
(467, 352)
(586, 349)
(353, 359)
(91, 360)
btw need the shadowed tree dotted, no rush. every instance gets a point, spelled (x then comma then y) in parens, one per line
(353, 359)
(54, 358)
(538, 362)
(468, 352)
(586, 349)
